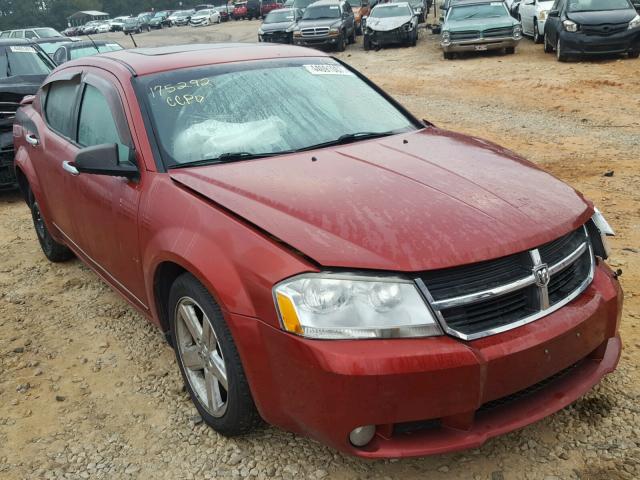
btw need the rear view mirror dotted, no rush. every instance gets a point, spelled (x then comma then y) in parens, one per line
(554, 13)
(103, 160)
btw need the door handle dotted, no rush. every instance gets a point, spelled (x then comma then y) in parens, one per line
(32, 140)
(67, 167)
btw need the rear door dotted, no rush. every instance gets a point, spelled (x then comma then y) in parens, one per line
(50, 146)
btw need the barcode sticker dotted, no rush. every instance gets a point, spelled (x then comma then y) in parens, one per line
(22, 49)
(327, 70)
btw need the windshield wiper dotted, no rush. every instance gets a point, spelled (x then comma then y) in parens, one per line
(348, 138)
(6, 52)
(227, 158)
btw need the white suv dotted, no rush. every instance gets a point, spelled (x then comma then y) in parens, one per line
(532, 15)
(34, 32)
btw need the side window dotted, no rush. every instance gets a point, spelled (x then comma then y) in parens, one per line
(5, 34)
(96, 125)
(61, 97)
(30, 34)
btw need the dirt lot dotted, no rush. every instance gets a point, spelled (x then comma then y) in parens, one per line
(89, 390)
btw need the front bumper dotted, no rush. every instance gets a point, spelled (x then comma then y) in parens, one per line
(432, 395)
(481, 44)
(324, 41)
(577, 43)
(396, 36)
(276, 37)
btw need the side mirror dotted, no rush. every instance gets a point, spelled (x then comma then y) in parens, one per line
(553, 13)
(104, 160)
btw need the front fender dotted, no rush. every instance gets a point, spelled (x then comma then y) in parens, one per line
(237, 263)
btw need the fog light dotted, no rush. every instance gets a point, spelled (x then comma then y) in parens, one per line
(360, 436)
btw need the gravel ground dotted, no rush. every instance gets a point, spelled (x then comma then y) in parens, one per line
(88, 389)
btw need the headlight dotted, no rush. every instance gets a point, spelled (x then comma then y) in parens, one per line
(604, 229)
(517, 32)
(260, 31)
(570, 26)
(334, 30)
(446, 38)
(408, 27)
(542, 15)
(342, 306)
(297, 33)
(635, 23)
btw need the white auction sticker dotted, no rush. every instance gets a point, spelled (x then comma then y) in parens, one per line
(22, 49)
(327, 70)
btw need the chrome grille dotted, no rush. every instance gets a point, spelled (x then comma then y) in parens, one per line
(498, 32)
(604, 29)
(315, 32)
(486, 298)
(465, 35)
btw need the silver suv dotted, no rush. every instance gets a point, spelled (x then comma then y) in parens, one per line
(34, 32)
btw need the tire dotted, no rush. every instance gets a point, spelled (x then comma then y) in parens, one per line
(510, 50)
(414, 42)
(54, 251)
(537, 38)
(342, 43)
(352, 37)
(634, 54)
(548, 48)
(448, 55)
(559, 54)
(211, 359)
(359, 29)
(367, 43)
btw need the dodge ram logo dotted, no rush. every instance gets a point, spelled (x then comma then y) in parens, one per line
(541, 274)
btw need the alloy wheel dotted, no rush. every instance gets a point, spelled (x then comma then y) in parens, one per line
(201, 356)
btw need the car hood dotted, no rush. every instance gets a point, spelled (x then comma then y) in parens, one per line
(321, 22)
(599, 18)
(387, 24)
(439, 200)
(481, 25)
(272, 27)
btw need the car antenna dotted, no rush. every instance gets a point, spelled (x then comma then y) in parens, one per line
(94, 44)
(133, 40)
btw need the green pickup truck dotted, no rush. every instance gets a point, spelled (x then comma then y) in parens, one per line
(479, 25)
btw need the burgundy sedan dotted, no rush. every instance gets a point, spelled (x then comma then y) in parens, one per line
(321, 260)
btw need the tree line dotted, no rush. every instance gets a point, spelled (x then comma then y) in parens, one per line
(54, 13)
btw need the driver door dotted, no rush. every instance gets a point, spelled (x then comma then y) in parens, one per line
(527, 10)
(106, 207)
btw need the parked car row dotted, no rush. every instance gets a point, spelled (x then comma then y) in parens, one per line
(570, 28)
(336, 23)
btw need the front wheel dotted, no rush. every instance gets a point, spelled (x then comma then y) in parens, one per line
(208, 359)
(634, 54)
(342, 42)
(537, 38)
(560, 53)
(367, 43)
(548, 48)
(54, 251)
(510, 50)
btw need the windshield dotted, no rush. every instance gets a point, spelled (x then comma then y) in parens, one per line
(203, 113)
(391, 10)
(596, 5)
(321, 11)
(355, 3)
(23, 60)
(91, 50)
(486, 10)
(278, 16)
(47, 32)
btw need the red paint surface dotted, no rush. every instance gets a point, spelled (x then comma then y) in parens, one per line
(439, 200)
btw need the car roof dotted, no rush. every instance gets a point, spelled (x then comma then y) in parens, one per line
(88, 43)
(146, 61)
(325, 2)
(51, 40)
(394, 4)
(458, 3)
(16, 41)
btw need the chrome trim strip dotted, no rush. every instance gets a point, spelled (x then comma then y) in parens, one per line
(484, 294)
(103, 271)
(526, 320)
(567, 261)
